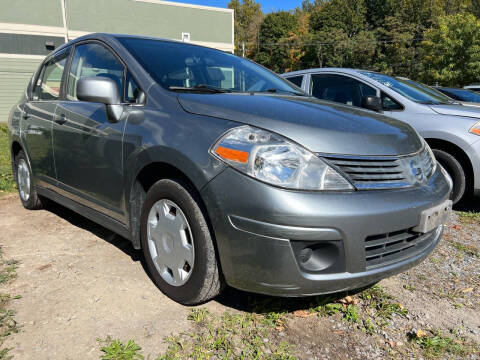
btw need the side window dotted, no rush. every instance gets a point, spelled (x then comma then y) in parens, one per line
(297, 80)
(389, 104)
(339, 88)
(49, 82)
(93, 60)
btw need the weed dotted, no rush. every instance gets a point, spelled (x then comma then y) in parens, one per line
(329, 309)
(469, 217)
(8, 325)
(350, 314)
(466, 249)
(198, 315)
(409, 287)
(116, 350)
(368, 326)
(230, 336)
(436, 345)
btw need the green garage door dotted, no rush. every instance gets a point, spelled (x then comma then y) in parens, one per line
(14, 76)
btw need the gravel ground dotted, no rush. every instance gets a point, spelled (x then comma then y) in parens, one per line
(79, 282)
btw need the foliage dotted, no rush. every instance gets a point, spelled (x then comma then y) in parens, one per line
(428, 40)
(451, 48)
(6, 180)
(116, 350)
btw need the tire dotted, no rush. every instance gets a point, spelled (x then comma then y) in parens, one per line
(457, 173)
(23, 175)
(200, 278)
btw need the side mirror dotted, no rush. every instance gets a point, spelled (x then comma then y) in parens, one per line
(101, 90)
(372, 103)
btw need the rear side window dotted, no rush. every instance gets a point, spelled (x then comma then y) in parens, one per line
(49, 82)
(90, 60)
(297, 80)
(340, 89)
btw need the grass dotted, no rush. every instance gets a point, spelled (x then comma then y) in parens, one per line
(6, 180)
(469, 216)
(229, 336)
(8, 325)
(466, 249)
(436, 345)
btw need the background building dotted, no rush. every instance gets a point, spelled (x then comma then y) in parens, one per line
(30, 29)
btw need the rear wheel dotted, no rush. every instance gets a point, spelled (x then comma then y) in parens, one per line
(26, 189)
(456, 171)
(177, 244)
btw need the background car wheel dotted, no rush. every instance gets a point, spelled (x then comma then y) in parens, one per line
(177, 244)
(456, 172)
(26, 188)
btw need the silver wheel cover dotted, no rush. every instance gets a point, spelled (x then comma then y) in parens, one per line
(170, 242)
(23, 179)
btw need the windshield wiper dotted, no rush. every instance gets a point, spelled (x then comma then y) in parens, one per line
(201, 88)
(273, 90)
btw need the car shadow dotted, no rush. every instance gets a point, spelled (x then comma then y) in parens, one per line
(471, 205)
(109, 236)
(230, 297)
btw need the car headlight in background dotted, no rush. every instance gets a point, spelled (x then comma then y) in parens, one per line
(275, 160)
(475, 129)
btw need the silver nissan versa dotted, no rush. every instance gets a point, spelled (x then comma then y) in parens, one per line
(223, 172)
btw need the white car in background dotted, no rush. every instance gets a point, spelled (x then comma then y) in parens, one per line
(451, 129)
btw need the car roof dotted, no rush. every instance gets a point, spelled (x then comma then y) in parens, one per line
(107, 37)
(331, 69)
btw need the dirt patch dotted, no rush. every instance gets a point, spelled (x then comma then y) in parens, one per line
(80, 282)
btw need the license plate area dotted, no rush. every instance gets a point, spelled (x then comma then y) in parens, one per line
(434, 217)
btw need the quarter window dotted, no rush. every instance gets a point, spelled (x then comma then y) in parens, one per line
(50, 80)
(297, 80)
(132, 90)
(340, 89)
(389, 104)
(91, 60)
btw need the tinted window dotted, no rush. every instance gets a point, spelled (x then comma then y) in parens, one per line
(390, 104)
(181, 65)
(93, 60)
(462, 95)
(341, 89)
(49, 82)
(297, 80)
(410, 89)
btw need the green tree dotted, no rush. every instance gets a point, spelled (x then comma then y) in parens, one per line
(275, 29)
(248, 17)
(451, 50)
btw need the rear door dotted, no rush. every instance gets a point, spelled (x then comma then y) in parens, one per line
(87, 145)
(340, 88)
(38, 115)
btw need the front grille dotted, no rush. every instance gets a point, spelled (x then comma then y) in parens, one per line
(385, 172)
(395, 246)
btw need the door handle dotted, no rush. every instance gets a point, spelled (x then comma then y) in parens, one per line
(60, 119)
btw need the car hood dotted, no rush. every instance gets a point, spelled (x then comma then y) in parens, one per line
(320, 126)
(458, 110)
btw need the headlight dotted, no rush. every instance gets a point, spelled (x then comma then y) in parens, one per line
(475, 129)
(432, 160)
(275, 160)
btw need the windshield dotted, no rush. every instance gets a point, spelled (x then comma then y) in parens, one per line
(464, 95)
(410, 89)
(178, 66)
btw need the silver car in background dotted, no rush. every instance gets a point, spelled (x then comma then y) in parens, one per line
(451, 129)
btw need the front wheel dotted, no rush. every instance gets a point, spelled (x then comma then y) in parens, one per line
(177, 244)
(457, 173)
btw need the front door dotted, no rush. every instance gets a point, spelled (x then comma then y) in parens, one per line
(37, 119)
(87, 145)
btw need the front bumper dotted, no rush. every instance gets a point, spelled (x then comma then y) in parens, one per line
(259, 230)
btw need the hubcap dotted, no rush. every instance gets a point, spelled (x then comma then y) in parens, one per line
(23, 179)
(170, 242)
